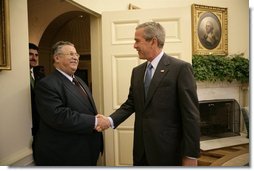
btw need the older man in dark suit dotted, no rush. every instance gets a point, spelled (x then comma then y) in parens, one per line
(67, 134)
(163, 96)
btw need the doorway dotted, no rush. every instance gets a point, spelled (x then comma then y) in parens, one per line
(74, 27)
(54, 20)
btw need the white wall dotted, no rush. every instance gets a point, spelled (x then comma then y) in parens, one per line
(15, 119)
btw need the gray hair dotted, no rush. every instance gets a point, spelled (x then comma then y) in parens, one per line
(58, 45)
(151, 30)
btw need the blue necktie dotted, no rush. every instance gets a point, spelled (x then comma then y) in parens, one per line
(148, 77)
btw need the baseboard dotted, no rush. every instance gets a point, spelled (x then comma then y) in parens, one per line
(26, 161)
(23, 157)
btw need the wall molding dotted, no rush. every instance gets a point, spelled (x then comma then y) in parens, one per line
(23, 157)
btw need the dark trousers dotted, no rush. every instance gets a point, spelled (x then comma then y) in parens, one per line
(142, 162)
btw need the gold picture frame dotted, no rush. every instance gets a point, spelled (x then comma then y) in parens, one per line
(209, 30)
(5, 56)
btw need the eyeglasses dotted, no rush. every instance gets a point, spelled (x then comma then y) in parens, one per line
(70, 54)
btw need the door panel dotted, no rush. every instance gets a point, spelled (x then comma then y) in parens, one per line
(119, 58)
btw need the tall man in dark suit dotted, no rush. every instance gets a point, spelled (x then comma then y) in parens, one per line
(67, 134)
(166, 128)
(36, 73)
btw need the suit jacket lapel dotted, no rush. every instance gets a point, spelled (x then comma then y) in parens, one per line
(159, 74)
(69, 85)
(90, 97)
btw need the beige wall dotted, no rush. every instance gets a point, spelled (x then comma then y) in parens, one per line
(238, 15)
(15, 116)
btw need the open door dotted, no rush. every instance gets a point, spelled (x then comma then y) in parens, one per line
(119, 58)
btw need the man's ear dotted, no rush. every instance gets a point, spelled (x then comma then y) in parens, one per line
(56, 58)
(155, 41)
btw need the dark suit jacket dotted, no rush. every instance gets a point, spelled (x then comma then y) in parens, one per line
(66, 135)
(166, 124)
(38, 74)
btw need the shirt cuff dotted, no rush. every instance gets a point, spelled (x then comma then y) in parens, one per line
(193, 158)
(96, 122)
(111, 122)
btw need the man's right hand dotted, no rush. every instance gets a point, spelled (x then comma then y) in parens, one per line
(102, 123)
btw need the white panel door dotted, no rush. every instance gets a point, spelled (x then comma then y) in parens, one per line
(119, 58)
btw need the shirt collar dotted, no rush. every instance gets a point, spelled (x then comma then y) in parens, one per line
(66, 75)
(156, 60)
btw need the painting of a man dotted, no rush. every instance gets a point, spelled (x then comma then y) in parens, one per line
(209, 31)
(210, 38)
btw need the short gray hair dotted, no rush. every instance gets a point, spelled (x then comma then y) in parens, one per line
(58, 45)
(151, 30)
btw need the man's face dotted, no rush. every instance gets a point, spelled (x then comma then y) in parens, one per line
(209, 27)
(33, 57)
(67, 59)
(143, 47)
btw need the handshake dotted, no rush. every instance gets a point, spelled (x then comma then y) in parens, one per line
(102, 123)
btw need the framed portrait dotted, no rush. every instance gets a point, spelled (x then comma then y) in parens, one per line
(209, 30)
(5, 57)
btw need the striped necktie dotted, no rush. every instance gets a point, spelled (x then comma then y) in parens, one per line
(79, 86)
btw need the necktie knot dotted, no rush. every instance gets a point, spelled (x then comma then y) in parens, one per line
(75, 81)
(149, 66)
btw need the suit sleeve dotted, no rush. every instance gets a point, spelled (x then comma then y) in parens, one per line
(188, 100)
(55, 113)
